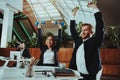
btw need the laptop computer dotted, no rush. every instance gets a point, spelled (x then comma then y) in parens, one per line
(15, 55)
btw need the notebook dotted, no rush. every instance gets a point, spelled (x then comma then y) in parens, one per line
(63, 72)
(15, 55)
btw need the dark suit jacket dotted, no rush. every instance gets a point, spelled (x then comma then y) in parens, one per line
(43, 48)
(91, 46)
(26, 53)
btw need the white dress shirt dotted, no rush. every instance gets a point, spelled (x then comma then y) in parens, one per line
(21, 51)
(48, 57)
(80, 60)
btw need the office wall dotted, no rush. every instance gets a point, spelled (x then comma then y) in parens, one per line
(110, 10)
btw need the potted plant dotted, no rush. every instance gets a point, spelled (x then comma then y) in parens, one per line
(13, 43)
(112, 37)
(33, 41)
(65, 37)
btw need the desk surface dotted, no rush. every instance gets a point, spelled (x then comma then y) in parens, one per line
(15, 73)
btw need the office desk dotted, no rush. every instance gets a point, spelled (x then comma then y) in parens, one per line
(16, 73)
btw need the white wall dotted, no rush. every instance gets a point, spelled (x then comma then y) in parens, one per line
(8, 8)
(18, 4)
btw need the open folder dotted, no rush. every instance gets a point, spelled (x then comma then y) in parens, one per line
(63, 72)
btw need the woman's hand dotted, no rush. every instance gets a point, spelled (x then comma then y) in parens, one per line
(60, 27)
(40, 25)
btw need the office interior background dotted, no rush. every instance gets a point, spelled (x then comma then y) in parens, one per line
(18, 18)
(18, 23)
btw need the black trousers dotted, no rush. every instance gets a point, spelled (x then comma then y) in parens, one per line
(88, 77)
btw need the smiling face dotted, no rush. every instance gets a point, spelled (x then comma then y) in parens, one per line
(49, 42)
(86, 31)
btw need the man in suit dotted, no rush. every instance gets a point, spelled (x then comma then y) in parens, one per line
(86, 54)
(25, 53)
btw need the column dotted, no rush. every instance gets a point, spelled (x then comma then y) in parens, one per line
(7, 27)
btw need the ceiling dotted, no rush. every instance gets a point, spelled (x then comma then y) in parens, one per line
(62, 9)
(45, 10)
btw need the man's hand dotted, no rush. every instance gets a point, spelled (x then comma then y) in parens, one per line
(92, 5)
(75, 10)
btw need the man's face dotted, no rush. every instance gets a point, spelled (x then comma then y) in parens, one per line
(86, 32)
(22, 46)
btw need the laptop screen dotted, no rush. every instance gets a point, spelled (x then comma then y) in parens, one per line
(15, 55)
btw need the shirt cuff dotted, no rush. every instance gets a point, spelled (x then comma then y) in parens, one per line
(73, 18)
(96, 10)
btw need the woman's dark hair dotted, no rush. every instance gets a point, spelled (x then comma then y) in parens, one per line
(49, 34)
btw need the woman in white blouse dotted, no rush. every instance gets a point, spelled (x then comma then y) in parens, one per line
(48, 48)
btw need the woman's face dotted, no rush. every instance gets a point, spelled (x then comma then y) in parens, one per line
(49, 42)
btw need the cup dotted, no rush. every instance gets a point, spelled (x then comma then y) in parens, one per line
(29, 71)
(22, 65)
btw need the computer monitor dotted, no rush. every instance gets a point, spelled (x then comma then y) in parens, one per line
(15, 55)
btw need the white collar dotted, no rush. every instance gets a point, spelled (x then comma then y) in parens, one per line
(87, 38)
